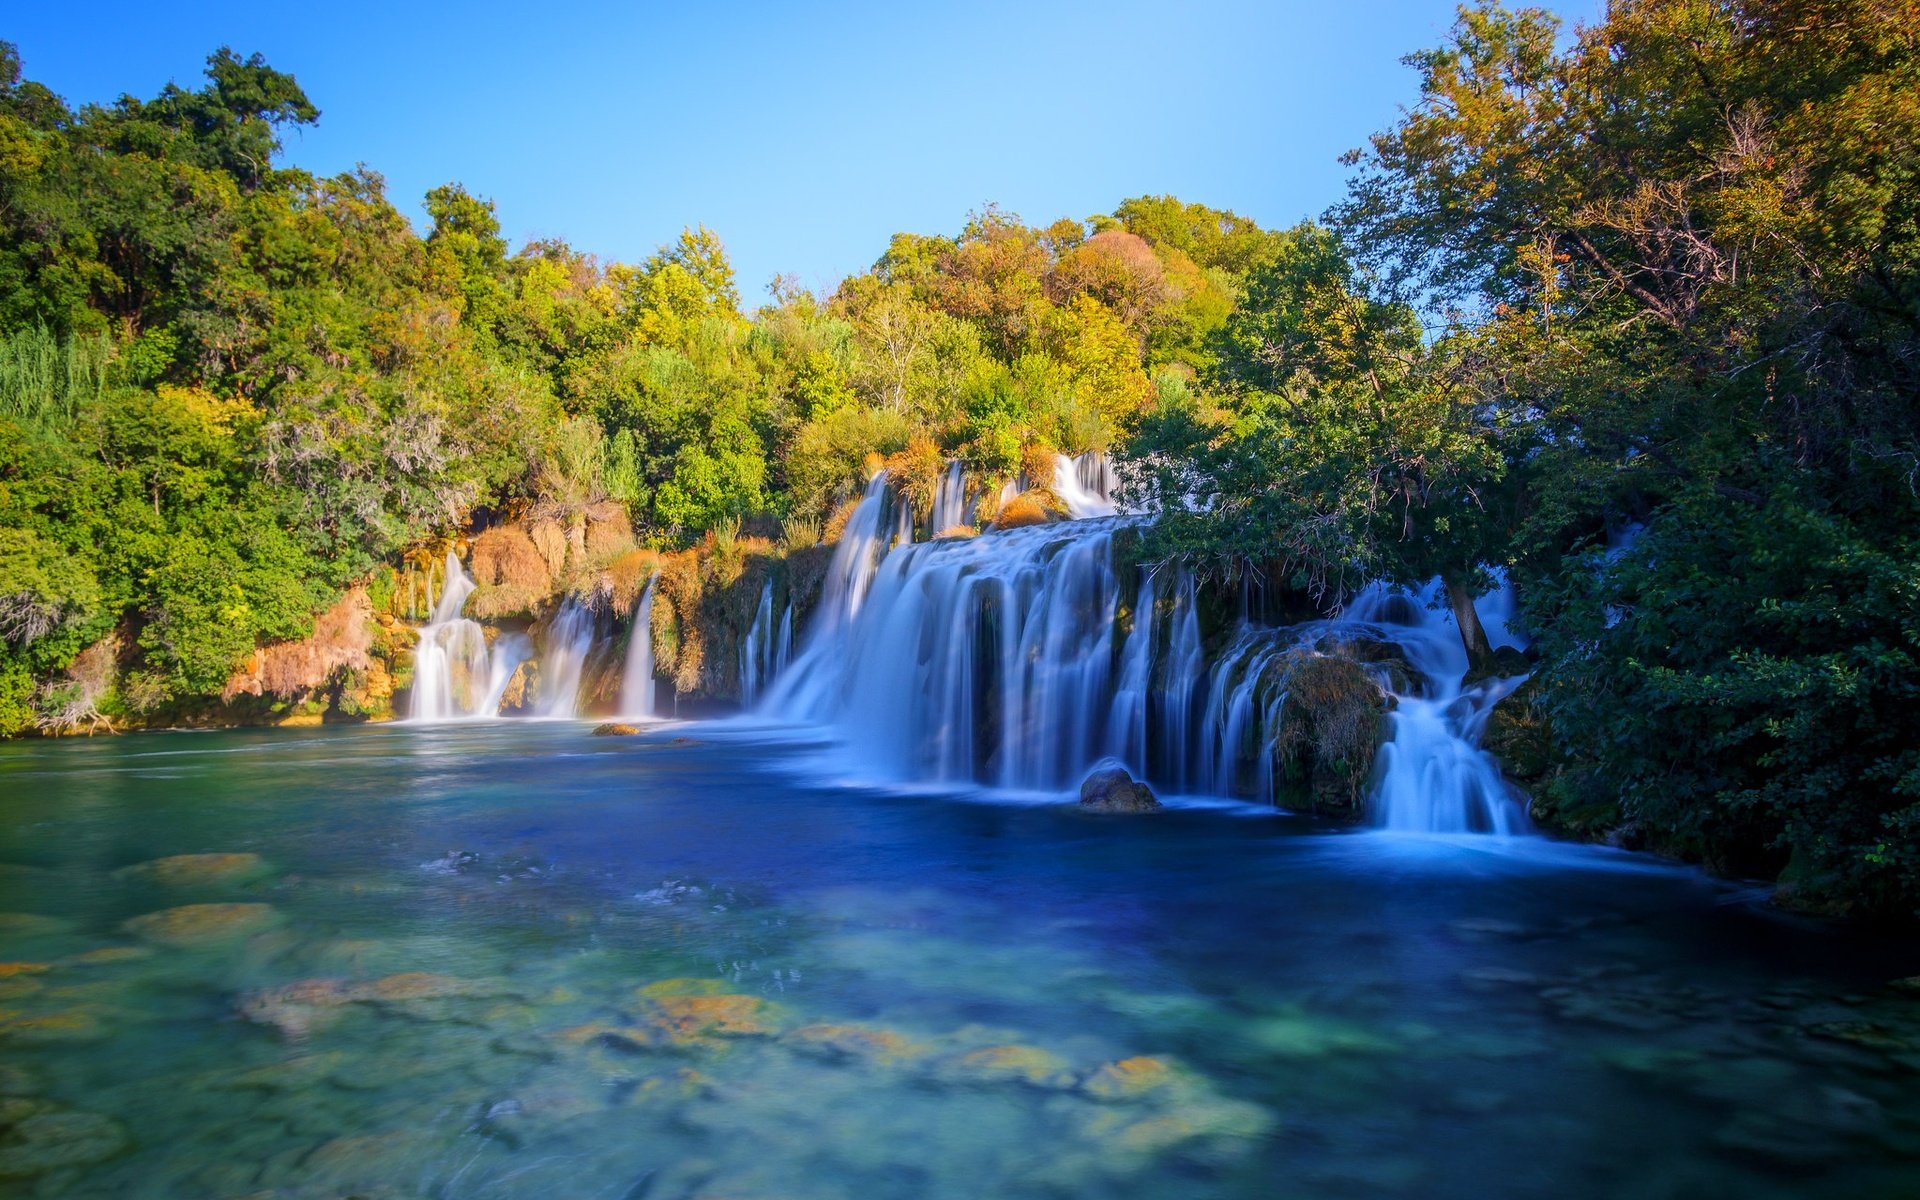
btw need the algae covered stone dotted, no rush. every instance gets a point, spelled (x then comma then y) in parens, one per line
(37, 1137)
(188, 870)
(845, 1043)
(1008, 1064)
(1130, 1078)
(203, 924)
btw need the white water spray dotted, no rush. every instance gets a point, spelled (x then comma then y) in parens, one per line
(456, 675)
(563, 656)
(636, 682)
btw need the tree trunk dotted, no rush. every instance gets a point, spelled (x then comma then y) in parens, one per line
(1472, 635)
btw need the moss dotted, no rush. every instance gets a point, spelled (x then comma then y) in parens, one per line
(837, 523)
(1035, 506)
(505, 556)
(1330, 730)
(1037, 464)
(914, 474)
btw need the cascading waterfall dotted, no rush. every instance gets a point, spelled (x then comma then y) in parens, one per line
(636, 681)
(1085, 484)
(563, 656)
(783, 646)
(950, 507)
(1434, 777)
(1020, 659)
(756, 648)
(456, 675)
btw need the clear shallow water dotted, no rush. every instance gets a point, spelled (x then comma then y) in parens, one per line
(516, 960)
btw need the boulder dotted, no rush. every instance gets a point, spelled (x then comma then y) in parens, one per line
(1110, 789)
(615, 729)
(38, 1137)
(202, 924)
(188, 870)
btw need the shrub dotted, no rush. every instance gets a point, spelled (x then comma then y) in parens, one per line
(1035, 506)
(799, 533)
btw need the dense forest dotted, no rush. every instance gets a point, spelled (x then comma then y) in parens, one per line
(1630, 313)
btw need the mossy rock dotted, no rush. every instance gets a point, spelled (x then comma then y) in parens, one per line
(203, 924)
(1035, 506)
(1331, 726)
(853, 1043)
(1110, 789)
(37, 1137)
(1007, 1064)
(1519, 735)
(190, 870)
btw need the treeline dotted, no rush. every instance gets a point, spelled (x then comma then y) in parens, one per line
(1635, 314)
(230, 389)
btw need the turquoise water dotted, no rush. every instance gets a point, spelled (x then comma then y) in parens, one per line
(515, 960)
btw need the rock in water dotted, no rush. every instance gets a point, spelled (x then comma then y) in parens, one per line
(1110, 789)
(615, 729)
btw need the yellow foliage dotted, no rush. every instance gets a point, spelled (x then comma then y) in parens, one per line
(1037, 464)
(915, 472)
(837, 523)
(214, 414)
(1035, 506)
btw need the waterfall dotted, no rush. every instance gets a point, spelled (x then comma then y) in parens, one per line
(755, 647)
(563, 655)
(636, 682)
(1019, 659)
(1084, 485)
(783, 647)
(950, 507)
(456, 675)
(1434, 777)
(903, 524)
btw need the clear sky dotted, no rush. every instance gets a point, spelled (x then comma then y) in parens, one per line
(805, 135)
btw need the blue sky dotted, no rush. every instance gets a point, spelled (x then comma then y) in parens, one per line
(804, 138)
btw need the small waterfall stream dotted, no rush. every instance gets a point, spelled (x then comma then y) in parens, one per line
(563, 656)
(456, 675)
(636, 681)
(756, 649)
(1085, 484)
(950, 507)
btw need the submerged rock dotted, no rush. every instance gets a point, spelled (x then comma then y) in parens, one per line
(693, 1020)
(1110, 789)
(202, 924)
(1008, 1064)
(305, 1005)
(37, 1137)
(29, 925)
(1130, 1078)
(844, 1043)
(615, 729)
(185, 870)
(73, 1025)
